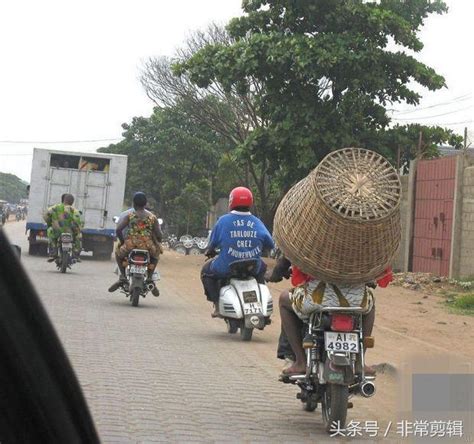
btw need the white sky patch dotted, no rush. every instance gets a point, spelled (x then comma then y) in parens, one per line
(70, 69)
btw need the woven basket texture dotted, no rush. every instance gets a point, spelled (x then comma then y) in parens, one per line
(341, 224)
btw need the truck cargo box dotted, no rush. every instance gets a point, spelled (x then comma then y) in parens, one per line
(97, 182)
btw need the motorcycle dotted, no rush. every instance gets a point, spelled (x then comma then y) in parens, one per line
(334, 346)
(65, 257)
(18, 217)
(244, 303)
(136, 272)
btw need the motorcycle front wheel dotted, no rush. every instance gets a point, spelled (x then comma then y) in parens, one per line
(135, 296)
(334, 406)
(246, 333)
(64, 261)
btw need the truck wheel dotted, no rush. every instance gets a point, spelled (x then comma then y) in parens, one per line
(33, 249)
(43, 249)
(102, 255)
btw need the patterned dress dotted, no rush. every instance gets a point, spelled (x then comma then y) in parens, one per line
(140, 235)
(62, 218)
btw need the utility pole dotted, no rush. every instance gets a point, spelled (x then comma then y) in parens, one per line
(420, 142)
(465, 140)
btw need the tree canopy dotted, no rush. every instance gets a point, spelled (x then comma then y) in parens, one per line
(325, 71)
(175, 161)
(12, 188)
(261, 101)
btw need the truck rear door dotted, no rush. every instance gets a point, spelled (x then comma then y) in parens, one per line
(94, 202)
(87, 179)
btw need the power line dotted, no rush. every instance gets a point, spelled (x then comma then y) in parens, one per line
(59, 141)
(437, 115)
(450, 102)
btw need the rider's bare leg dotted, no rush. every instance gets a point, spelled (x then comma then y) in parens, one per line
(292, 328)
(119, 261)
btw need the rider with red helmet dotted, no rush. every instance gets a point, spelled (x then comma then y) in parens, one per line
(239, 236)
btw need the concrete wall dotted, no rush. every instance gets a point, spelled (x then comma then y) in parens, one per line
(399, 262)
(466, 244)
(219, 209)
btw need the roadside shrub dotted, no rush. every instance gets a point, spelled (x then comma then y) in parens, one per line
(464, 302)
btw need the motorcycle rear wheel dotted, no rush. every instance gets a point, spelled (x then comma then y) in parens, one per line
(232, 326)
(64, 261)
(135, 296)
(334, 406)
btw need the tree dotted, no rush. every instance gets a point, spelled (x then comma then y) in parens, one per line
(403, 143)
(325, 73)
(12, 188)
(230, 112)
(174, 160)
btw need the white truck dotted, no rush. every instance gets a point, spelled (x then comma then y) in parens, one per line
(97, 182)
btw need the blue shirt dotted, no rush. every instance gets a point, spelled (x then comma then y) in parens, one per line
(239, 236)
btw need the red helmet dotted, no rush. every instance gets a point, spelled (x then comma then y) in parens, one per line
(240, 197)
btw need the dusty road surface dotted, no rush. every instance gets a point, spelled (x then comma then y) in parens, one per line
(166, 372)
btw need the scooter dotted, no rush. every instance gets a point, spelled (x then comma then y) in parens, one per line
(244, 303)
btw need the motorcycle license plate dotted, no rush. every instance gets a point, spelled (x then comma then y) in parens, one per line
(138, 269)
(250, 296)
(252, 308)
(66, 247)
(341, 342)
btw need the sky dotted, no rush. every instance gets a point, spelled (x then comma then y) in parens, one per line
(70, 70)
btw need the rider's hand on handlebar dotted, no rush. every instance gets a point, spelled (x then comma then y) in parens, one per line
(210, 254)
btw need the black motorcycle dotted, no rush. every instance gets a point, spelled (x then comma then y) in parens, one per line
(137, 272)
(334, 346)
(65, 257)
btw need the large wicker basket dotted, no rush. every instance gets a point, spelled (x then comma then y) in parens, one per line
(341, 224)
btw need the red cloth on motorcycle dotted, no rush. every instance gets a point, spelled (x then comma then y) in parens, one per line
(299, 278)
(385, 278)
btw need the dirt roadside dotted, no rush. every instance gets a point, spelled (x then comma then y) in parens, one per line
(410, 327)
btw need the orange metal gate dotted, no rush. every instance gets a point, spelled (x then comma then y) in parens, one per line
(434, 206)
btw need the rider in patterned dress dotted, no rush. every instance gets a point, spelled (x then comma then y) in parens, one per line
(63, 218)
(142, 232)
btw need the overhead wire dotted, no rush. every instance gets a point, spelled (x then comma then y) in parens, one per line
(59, 141)
(458, 99)
(436, 115)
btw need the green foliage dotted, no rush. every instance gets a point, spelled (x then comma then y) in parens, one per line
(173, 159)
(463, 303)
(321, 73)
(12, 188)
(404, 141)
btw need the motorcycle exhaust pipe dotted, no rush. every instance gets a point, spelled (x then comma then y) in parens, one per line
(367, 389)
(150, 286)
